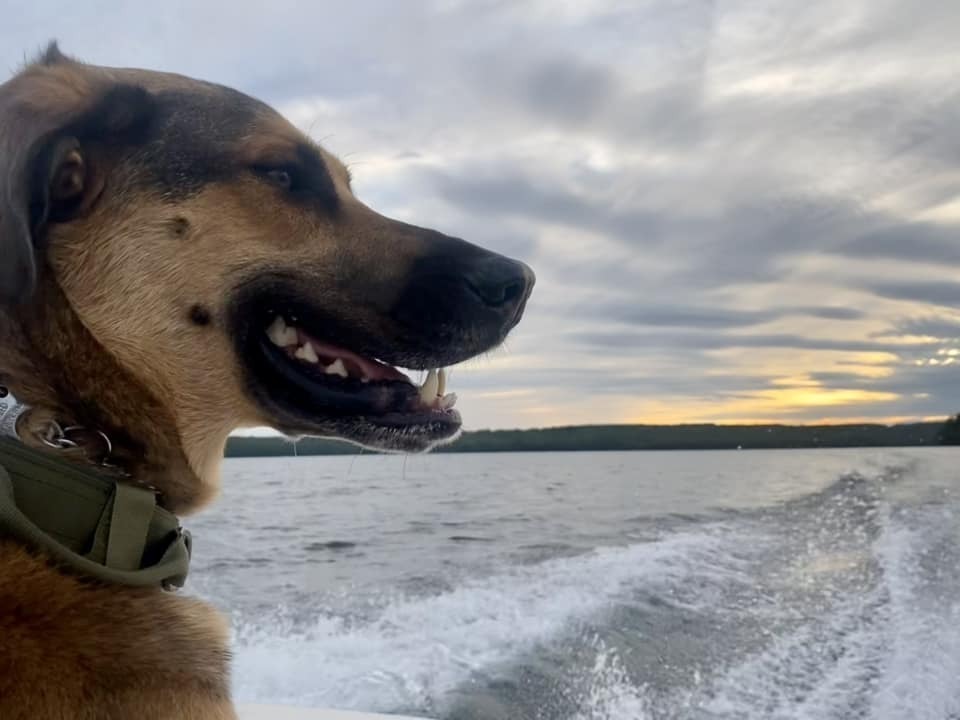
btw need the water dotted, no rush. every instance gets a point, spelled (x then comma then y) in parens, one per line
(594, 586)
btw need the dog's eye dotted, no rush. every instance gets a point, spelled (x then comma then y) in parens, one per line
(283, 178)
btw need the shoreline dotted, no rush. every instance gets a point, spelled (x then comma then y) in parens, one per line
(605, 438)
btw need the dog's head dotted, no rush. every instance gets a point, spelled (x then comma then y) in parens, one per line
(220, 257)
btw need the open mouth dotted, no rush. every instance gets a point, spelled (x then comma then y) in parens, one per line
(322, 352)
(314, 386)
(321, 362)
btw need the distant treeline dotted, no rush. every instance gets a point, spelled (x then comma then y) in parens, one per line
(950, 434)
(643, 437)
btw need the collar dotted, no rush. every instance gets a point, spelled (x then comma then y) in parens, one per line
(83, 518)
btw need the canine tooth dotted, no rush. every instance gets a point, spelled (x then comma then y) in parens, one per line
(337, 368)
(281, 334)
(447, 401)
(428, 391)
(441, 381)
(307, 353)
(277, 330)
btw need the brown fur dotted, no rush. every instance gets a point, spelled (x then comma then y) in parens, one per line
(124, 327)
(72, 649)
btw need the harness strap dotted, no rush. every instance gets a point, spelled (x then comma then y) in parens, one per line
(88, 522)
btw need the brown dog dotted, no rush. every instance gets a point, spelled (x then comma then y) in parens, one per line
(177, 261)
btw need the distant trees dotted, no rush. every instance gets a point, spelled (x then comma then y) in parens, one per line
(644, 437)
(950, 434)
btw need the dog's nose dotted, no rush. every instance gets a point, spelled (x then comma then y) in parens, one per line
(459, 299)
(500, 282)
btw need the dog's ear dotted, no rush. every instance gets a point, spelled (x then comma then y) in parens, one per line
(31, 180)
(51, 116)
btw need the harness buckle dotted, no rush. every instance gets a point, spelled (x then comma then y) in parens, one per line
(10, 411)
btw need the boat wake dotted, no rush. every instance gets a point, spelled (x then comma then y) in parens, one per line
(842, 604)
(417, 650)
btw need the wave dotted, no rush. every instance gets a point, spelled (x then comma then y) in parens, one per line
(330, 545)
(881, 651)
(921, 676)
(611, 694)
(417, 650)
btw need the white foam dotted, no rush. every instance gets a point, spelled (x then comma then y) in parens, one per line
(886, 652)
(921, 677)
(611, 694)
(812, 673)
(419, 649)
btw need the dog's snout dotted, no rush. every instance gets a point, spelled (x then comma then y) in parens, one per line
(461, 298)
(500, 282)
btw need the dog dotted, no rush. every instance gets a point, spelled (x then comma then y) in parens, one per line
(178, 261)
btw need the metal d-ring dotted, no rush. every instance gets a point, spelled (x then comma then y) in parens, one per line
(106, 439)
(108, 444)
(56, 437)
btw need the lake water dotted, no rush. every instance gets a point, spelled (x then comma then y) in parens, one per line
(580, 586)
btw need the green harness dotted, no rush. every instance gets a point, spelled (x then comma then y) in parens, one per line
(89, 523)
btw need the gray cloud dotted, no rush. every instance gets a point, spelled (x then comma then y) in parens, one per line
(911, 242)
(483, 192)
(652, 384)
(929, 292)
(939, 327)
(649, 314)
(718, 340)
(570, 92)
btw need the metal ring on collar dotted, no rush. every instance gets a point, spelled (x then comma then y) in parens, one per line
(56, 438)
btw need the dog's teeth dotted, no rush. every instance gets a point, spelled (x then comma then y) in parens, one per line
(275, 331)
(337, 368)
(447, 401)
(281, 334)
(428, 391)
(306, 353)
(441, 381)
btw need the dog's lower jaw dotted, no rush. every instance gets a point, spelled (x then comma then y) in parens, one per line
(205, 456)
(203, 440)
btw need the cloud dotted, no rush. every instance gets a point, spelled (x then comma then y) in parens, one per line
(482, 192)
(920, 390)
(930, 292)
(569, 92)
(944, 328)
(907, 241)
(717, 341)
(642, 314)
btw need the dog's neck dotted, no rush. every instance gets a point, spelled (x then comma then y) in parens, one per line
(52, 363)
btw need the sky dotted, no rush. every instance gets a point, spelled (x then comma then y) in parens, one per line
(738, 211)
